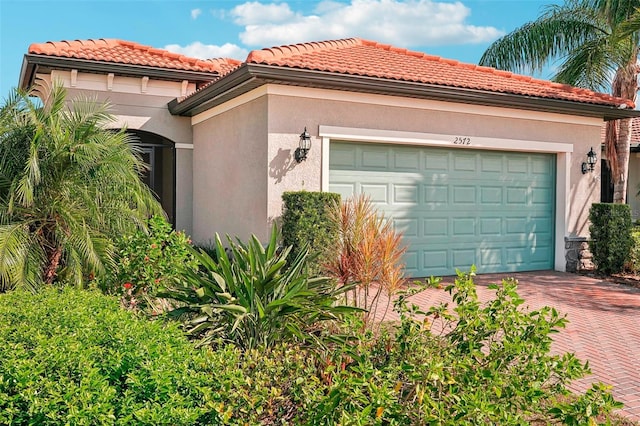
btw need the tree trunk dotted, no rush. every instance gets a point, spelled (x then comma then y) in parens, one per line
(50, 271)
(623, 145)
(625, 85)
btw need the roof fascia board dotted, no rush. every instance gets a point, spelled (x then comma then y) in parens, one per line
(234, 84)
(26, 74)
(212, 95)
(32, 60)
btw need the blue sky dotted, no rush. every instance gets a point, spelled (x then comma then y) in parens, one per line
(459, 30)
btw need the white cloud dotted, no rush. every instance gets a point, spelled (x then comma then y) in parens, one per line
(399, 22)
(256, 13)
(195, 13)
(208, 51)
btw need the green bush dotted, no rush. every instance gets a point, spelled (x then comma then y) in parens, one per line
(470, 364)
(611, 239)
(305, 221)
(147, 261)
(254, 296)
(74, 357)
(634, 259)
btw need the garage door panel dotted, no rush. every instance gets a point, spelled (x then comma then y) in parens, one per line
(403, 194)
(407, 160)
(342, 157)
(379, 192)
(491, 226)
(464, 194)
(375, 158)
(456, 207)
(517, 166)
(464, 163)
(491, 195)
(542, 166)
(433, 227)
(345, 190)
(541, 195)
(463, 227)
(491, 164)
(438, 194)
(411, 262)
(436, 161)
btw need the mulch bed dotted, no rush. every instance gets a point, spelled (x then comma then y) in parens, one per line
(632, 280)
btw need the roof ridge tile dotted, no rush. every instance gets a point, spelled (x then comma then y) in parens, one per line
(278, 52)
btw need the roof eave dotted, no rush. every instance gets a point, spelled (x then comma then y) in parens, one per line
(236, 83)
(32, 62)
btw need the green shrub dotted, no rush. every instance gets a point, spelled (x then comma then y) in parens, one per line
(470, 364)
(74, 357)
(255, 296)
(611, 239)
(634, 258)
(147, 261)
(305, 222)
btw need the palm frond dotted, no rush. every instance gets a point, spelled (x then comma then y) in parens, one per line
(532, 46)
(74, 182)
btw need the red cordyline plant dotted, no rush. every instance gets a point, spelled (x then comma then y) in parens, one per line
(368, 253)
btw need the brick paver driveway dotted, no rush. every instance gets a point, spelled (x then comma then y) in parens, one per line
(604, 325)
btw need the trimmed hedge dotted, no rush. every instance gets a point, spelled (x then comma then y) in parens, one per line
(75, 357)
(305, 221)
(611, 239)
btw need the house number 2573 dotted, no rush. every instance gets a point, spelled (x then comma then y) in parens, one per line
(461, 141)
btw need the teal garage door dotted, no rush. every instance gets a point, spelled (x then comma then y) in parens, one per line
(456, 207)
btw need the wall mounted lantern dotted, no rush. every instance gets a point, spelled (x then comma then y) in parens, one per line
(304, 146)
(590, 165)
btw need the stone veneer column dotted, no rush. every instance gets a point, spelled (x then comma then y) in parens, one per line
(577, 253)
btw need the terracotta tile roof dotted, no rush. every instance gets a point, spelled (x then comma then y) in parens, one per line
(355, 56)
(127, 52)
(224, 65)
(635, 131)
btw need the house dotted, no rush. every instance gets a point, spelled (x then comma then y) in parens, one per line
(474, 165)
(633, 185)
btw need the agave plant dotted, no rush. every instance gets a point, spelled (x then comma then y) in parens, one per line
(254, 296)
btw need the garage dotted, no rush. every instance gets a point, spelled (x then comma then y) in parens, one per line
(457, 207)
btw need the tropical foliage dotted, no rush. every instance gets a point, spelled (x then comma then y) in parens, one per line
(67, 186)
(597, 42)
(71, 356)
(147, 260)
(254, 296)
(366, 255)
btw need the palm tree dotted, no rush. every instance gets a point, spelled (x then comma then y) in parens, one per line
(598, 50)
(68, 186)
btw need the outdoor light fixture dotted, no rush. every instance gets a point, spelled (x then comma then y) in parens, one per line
(590, 165)
(304, 147)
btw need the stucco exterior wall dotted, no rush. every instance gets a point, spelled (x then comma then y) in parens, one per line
(634, 184)
(289, 114)
(184, 190)
(230, 168)
(142, 106)
(134, 108)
